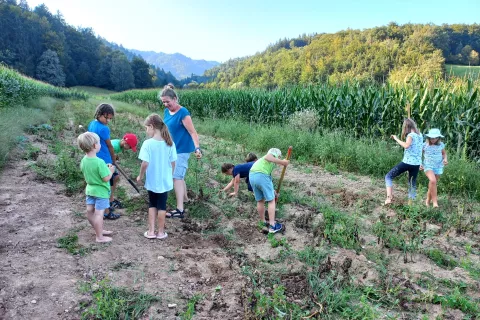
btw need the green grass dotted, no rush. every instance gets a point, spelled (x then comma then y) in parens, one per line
(112, 303)
(461, 71)
(339, 228)
(190, 309)
(335, 294)
(441, 259)
(339, 150)
(14, 121)
(93, 90)
(70, 243)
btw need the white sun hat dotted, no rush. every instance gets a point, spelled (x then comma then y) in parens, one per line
(434, 133)
(275, 152)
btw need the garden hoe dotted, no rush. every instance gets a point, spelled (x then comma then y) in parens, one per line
(128, 179)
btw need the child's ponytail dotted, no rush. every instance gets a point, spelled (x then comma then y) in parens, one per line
(166, 134)
(157, 123)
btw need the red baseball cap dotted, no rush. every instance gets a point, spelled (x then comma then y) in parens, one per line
(131, 140)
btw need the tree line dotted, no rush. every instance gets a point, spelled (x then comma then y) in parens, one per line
(43, 46)
(387, 53)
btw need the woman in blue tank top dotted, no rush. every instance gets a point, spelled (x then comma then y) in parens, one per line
(180, 125)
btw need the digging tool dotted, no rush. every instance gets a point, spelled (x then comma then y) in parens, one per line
(128, 179)
(289, 153)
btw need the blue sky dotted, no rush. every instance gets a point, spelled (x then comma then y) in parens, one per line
(219, 30)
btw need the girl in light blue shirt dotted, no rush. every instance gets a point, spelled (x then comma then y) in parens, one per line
(412, 159)
(435, 158)
(158, 155)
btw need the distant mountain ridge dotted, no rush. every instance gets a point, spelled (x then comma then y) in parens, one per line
(179, 65)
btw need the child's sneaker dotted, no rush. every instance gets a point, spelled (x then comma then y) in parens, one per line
(278, 227)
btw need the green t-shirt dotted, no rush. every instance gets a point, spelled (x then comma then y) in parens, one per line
(116, 146)
(263, 166)
(94, 169)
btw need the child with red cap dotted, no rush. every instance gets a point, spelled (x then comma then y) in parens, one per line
(128, 142)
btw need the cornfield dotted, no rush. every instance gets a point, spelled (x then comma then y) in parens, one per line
(17, 89)
(365, 111)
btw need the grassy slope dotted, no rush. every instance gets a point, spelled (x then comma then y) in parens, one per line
(93, 90)
(332, 227)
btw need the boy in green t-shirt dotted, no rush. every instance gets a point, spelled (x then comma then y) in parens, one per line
(97, 174)
(262, 185)
(128, 142)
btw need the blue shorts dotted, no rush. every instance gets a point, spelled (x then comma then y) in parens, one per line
(436, 171)
(181, 166)
(262, 186)
(100, 203)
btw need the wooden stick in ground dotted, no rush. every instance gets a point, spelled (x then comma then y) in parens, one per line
(128, 179)
(289, 153)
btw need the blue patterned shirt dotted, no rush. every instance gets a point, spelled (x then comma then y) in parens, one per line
(413, 154)
(432, 155)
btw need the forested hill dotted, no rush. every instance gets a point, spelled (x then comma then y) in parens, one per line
(42, 45)
(387, 53)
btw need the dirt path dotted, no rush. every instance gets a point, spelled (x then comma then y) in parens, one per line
(40, 280)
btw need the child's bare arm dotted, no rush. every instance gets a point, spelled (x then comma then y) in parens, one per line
(405, 144)
(229, 185)
(143, 169)
(444, 155)
(271, 158)
(423, 157)
(173, 167)
(236, 185)
(110, 149)
(112, 170)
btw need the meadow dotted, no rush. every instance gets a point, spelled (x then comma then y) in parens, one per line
(462, 71)
(343, 256)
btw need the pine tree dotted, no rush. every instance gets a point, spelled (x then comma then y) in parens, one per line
(141, 74)
(50, 70)
(121, 73)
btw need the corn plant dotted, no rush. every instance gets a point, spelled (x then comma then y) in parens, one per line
(365, 111)
(18, 89)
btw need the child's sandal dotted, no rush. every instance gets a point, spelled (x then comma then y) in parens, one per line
(116, 204)
(175, 214)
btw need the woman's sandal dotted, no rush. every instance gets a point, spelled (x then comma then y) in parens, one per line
(175, 214)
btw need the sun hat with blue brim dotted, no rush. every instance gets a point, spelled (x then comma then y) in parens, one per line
(434, 133)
